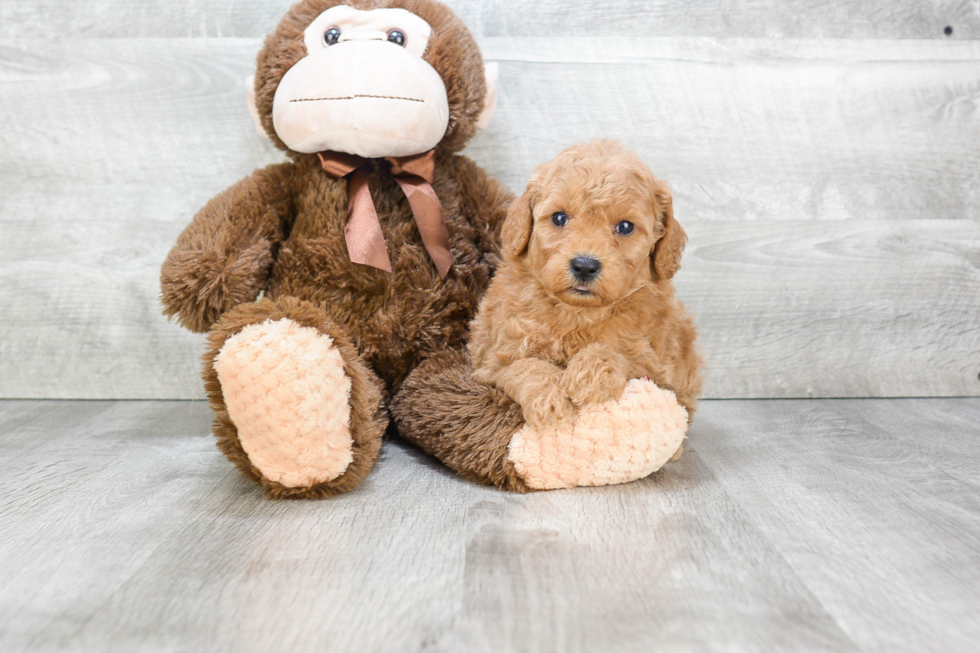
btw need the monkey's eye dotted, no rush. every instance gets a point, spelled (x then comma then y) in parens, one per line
(396, 37)
(559, 219)
(624, 228)
(331, 36)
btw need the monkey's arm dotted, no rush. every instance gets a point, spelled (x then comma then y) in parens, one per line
(484, 203)
(224, 257)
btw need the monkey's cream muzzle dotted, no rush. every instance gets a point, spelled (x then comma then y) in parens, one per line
(363, 95)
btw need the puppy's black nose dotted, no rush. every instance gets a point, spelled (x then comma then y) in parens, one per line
(585, 268)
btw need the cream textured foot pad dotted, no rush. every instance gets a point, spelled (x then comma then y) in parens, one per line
(605, 444)
(288, 396)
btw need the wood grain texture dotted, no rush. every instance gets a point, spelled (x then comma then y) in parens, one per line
(785, 309)
(829, 188)
(833, 525)
(925, 19)
(91, 490)
(748, 129)
(876, 486)
(743, 129)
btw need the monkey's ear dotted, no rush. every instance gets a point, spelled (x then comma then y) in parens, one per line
(516, 232)
(665, 257)
(252, 109)
(492, 71)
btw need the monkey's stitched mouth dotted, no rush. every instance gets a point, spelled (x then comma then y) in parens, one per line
(354, 97)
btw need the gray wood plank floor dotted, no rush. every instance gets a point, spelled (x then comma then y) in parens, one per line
(836, 525)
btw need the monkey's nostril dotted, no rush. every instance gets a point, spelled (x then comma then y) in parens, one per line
(585, 268)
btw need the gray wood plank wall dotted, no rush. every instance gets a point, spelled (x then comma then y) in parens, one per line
(919, 19)
(824, 159)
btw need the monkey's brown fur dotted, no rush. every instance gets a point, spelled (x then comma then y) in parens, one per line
(282, 230)
(464, 423)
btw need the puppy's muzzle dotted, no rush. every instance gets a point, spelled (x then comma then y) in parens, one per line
(585, 268)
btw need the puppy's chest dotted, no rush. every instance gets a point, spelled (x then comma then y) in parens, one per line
(558, 347)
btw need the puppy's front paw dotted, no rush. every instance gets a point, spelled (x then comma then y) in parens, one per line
(593, 379)
(548, 407)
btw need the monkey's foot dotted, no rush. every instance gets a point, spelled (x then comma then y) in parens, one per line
(607, 443)
(287, 394)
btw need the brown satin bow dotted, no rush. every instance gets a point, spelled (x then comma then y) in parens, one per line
(365, 240)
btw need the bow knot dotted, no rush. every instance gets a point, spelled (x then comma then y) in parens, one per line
(365, 239)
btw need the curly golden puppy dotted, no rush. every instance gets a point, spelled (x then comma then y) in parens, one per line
(584, 301)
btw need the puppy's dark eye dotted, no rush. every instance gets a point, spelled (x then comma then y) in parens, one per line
(559, 219)
(331, 36)
(624, 228)
(396, 37)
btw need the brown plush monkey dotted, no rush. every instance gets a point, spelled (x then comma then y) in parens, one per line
(373, 243)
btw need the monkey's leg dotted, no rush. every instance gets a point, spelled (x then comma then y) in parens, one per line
(296, 409)
(465, 424)
(480, 432)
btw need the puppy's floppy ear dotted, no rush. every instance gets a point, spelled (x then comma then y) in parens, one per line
(516, 232)
(665, 257)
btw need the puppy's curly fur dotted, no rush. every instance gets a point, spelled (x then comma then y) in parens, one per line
(551, 341)
(544, 342)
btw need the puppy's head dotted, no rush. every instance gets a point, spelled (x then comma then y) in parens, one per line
(594, 225)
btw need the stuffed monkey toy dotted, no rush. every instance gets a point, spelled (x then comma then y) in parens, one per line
(372, 243)
(324, 281)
